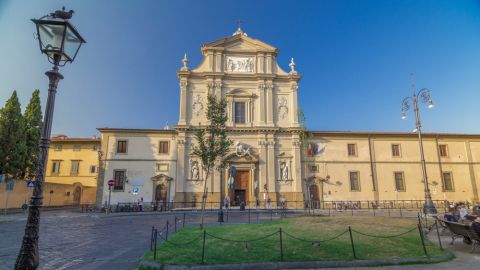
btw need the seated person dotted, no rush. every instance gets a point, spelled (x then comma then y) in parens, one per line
(464, 215)
(476, 225)
(450, 215)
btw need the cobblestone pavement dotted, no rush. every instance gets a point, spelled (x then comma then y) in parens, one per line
(95, 241)
(71, 240)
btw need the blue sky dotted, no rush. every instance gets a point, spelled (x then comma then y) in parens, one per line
(355, 58)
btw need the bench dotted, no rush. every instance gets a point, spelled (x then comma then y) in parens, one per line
(462, 230)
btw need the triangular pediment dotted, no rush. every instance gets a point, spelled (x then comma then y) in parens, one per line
(240, 42)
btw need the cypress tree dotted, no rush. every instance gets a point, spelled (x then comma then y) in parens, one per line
(12, 139)
(33, 132)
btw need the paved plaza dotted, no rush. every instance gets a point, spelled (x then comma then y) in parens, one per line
(71, 240)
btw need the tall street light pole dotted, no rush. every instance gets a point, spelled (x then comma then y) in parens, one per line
(424, 94)
(60, 41)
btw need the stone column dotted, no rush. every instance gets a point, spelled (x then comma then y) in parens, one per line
(271, 165)
(261, 112)
(181, 185)
(262, 166)
(269, 103)
(297, 163)
(294, 104)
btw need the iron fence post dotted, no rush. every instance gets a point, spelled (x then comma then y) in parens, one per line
(438, 235)
(281, 245)
(421, 239)
(203, 246)
(183, 221)
(175, 223)
(155, 246)
(151, 238)
(351, 241)
(166, 234)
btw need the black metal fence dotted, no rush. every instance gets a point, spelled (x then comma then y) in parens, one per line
(266, 205)
(349, 237)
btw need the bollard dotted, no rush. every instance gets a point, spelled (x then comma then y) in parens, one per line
(271, 214)
(175, 223)
(373, 208)
(401, 212)
(388, 209)
(351, 241)
(329, 211)
(227, 215)
(203, 246)
(438, 235)
(281, 246)
(257, 217)
(183, 221)
(248, 215)
(422, 240)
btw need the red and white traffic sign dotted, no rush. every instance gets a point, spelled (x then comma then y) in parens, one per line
(111, 183)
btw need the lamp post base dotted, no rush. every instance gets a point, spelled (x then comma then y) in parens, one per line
(429, 207)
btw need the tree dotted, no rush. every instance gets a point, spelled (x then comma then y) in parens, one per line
(212, 142)
(12, 139)
(33, 132)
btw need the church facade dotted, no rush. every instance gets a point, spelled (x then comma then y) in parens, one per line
(271, 159)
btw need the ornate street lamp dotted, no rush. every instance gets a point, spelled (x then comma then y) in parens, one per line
(424, 94)
(60, 41)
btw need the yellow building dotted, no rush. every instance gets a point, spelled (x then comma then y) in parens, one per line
(70, 177)
(376, 166)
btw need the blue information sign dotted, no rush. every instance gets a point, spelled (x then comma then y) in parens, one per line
(30, 184)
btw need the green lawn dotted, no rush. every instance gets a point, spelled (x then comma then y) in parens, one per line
(185, 247)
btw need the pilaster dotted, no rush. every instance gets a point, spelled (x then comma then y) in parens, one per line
(269, 103)
(183, 101)
(294, 103)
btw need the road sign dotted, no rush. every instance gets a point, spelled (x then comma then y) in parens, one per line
(111, 183)
(135, 190)
(30, 184)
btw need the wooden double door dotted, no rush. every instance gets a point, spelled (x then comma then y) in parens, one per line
(241, 188)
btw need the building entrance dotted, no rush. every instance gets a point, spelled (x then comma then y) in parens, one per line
(241, 188)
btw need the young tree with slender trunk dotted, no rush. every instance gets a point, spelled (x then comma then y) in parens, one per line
(13, 150)
(33, 132)
(212, 142)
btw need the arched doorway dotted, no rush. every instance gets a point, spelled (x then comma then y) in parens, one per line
(161, 195)
(314, 196)
(77, 195)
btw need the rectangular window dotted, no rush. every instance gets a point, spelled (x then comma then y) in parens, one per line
(75, 167)
(447, 181)
(95, 147)
(58, 147)
(442, 149)
(119, 177)
(122, 147)
(163, 147)
(313, 168)
(77, 147)
(395, 150)
(399, 181)
(93, 169)
(240, 112)
(354, 181)
(161, 167)
(55, 167)
(352, 149)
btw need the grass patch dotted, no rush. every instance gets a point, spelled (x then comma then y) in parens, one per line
(185, 247)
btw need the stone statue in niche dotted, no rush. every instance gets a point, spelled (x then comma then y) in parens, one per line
(240, 64)
(195, 171)
(197, 105)
(284, 170)
(282, 108)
